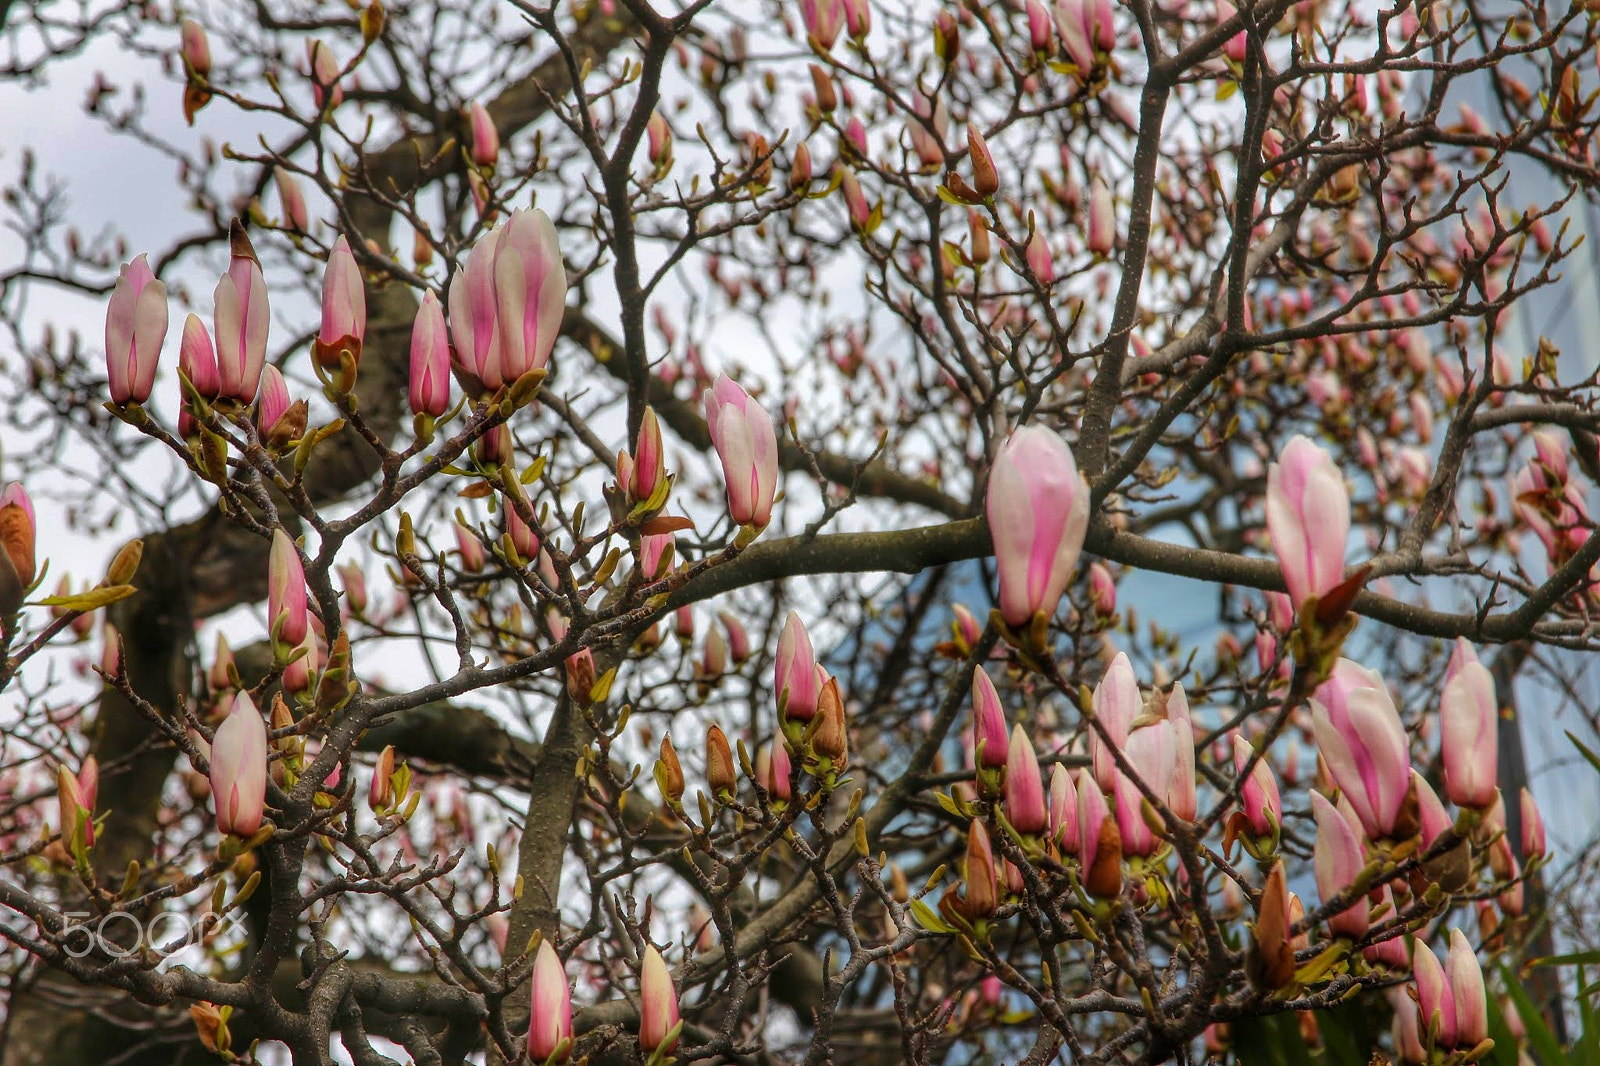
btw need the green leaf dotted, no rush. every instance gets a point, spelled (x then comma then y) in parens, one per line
(929, 919)
(1594, 760)
(1544, 1043)
(91, 600)
(1577, 958)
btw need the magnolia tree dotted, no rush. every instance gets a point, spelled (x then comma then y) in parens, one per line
(674, 602)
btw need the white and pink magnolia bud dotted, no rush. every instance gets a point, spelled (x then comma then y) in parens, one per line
(239, 769)
(136, 324)
(1037, 507)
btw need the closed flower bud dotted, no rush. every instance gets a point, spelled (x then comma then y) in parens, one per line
(474, 317)
(241, 323)
(1270, 959)
(469, 547)
(1364, 745)
(1025, 805)
(669, 771)
(1099, 843)
(1063, 810)
(239, 769)
(18, 538)
(985, 178)
(658, 1005)
(136, 325)
(344, 308)
(721, 776)
(292, 200)
(746, 443)
(659, 141)
(324, 70)
(550, 1011)
(286, 591)
(1117, 703)
(824, 19)
(832, 738)
(796, 678)
(1258, 796)
(1037, 507)
(649, 460)
(485, 138)
(1102, 236)
(381, 794)
(1308, 516)
(1337, 859)
(1468, 730)
(1533, 838)
(530, 283)
(430, 360)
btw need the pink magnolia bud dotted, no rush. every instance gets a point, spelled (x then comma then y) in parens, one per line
(380, 794)
(1075, 23)
(474, 321)
(1151, 751)
(239, 769)
(715, 661)
(75, 794)
(1431, 815)
(855, 201)
(286, 592)
(796, 679)
(278, 421)
(747, 444)
(824, 19)
(1181, 798)
(485, 138)
(855, 136)
(530, 285)
(1258, 797)
(18, 538)
(1099, 843)
(1102, 236)
(1308, 516)
(965, 627)
(1102, 589)
(738, 637)
(800, 169)
(927, 136)
(653, 555)
(1039, 261)
(111, 651)
(470, 548)
(683, 622)
(1038, 511)
(659, 141)
(344, 307)
(1116, 704)
(649, 461)
(773, 770)
(1236, 46)
(1391, 952)
(136, 324)
(325, 71)
(430, 359)
(550, 1012)
(219, 677)
(1063, 810)
(355, 587)
(241, 321)
(1407, 1038)
(989, 743)
(1337, 859)
(293, 201)
(1038, 26)
(857, 18)
(1361, 740)
(197, 359)
(1533, 838)
(194, 47)
(658, 1005)
(1025, 804)
(1468, 730)
(523, 539)
(297, 676)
